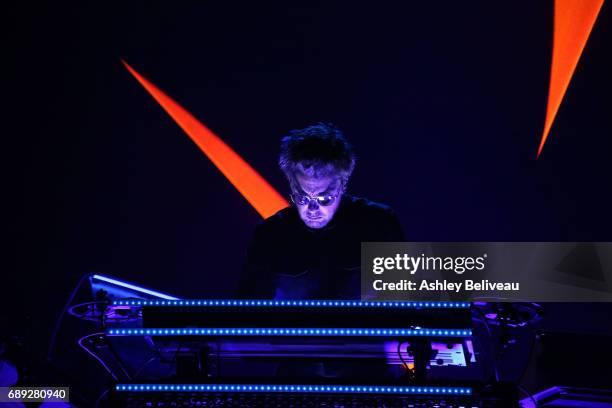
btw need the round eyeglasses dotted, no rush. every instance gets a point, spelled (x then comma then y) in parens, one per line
(303, 199)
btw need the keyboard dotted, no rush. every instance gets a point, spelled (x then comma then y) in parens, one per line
(246, 400)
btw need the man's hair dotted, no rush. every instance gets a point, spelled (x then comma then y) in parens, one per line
(319, 150)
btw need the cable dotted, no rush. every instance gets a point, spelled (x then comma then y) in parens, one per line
(94, 355)
(493, 350)
(60, 318)
(399, 353)
(99, 399)
(410, 373)
(143, 365)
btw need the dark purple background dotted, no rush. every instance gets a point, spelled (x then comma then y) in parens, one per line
(445, 103)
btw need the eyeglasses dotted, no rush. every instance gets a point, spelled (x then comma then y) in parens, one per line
(323, 200)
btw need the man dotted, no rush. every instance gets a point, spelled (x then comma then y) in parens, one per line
(311, 250)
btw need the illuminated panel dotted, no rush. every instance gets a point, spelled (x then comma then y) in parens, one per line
(263, 197)
(294, 388)
(574, 20)
(323, 332)
(292, 303)
(133, 287)
(447, 353)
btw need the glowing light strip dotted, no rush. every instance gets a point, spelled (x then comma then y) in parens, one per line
(574, 21)
(255, 189)
(134, 287)
(350, 332)
(295, 388)
(290, 303)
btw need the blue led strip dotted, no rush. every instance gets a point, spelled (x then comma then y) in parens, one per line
(131, 286)
(360, 332)
(290, 303)
(352, 389)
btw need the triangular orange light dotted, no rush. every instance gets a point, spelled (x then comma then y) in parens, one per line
(574, 20)
(261, 195)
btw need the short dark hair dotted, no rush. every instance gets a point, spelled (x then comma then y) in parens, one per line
(318, 151)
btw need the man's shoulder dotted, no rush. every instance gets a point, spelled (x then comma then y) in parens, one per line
(377, 221)
(365, 207)
(281, 219)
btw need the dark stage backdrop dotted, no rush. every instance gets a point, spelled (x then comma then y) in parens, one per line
(444, 101)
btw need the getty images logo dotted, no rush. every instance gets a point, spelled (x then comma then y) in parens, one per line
(412, 264)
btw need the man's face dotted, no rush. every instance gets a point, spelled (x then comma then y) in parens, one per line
(313, 212)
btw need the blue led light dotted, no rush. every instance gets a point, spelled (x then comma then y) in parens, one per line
(286, 303)
(131, 286)
(293, 388)
(290, 332)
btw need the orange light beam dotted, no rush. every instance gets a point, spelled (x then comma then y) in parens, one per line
(573, 23)
(261, 195)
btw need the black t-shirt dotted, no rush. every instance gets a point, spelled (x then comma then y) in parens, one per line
(288, 260)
